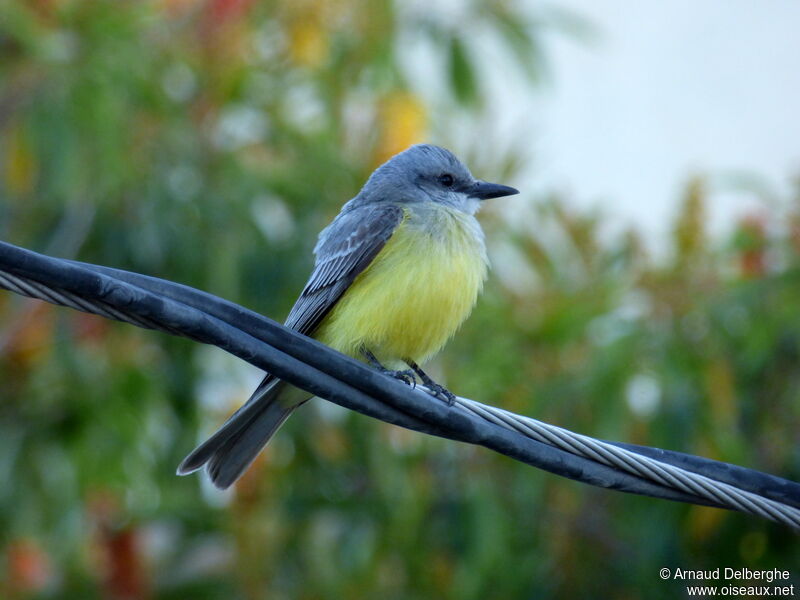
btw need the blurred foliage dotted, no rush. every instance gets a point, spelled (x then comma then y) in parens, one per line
(208, 143)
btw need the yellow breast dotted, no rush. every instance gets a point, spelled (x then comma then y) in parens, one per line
(416, 292)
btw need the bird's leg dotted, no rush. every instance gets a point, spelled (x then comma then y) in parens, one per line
(406, 376)
(437, 390)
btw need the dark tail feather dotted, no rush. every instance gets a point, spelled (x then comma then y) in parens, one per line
(228, 452)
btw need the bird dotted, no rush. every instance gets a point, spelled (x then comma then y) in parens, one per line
(396, 273)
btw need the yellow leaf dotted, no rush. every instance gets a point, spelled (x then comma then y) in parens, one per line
(721, 392)
(20, 164)
(403, 123)
(704, 521)
(308, 43)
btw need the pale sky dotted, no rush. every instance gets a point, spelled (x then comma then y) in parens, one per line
(665, 90)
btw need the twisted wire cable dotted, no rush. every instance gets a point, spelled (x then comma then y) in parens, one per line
(716, 491)
(34, 289)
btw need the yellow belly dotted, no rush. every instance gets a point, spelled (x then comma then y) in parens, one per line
(413, 296)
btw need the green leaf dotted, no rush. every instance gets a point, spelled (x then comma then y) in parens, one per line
(462, 74)
(520, 40)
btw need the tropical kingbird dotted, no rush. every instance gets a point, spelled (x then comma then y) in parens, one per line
(396, 273)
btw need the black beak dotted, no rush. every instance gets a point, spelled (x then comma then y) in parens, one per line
(484, 190)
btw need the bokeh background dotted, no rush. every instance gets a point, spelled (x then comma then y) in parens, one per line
(207, 142)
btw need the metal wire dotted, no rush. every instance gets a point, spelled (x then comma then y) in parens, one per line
(34, 289)
(670, 476)
(666, 474)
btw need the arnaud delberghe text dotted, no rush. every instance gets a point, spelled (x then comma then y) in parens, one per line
(727, 573)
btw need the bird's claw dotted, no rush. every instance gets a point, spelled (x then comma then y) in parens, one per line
(406, 376)
(441, 392)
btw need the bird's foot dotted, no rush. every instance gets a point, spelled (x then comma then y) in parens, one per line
(435, 389)
(442, 393)
(406, 376)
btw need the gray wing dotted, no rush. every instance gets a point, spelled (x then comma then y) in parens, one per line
(345, 249)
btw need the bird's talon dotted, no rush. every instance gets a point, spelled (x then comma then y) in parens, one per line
(442, 393)
(406, 377)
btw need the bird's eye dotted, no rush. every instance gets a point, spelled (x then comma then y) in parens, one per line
(446, 180)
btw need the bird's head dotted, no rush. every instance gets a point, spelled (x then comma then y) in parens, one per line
(426, 173)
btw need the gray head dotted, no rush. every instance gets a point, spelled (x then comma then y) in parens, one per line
(426, 173)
